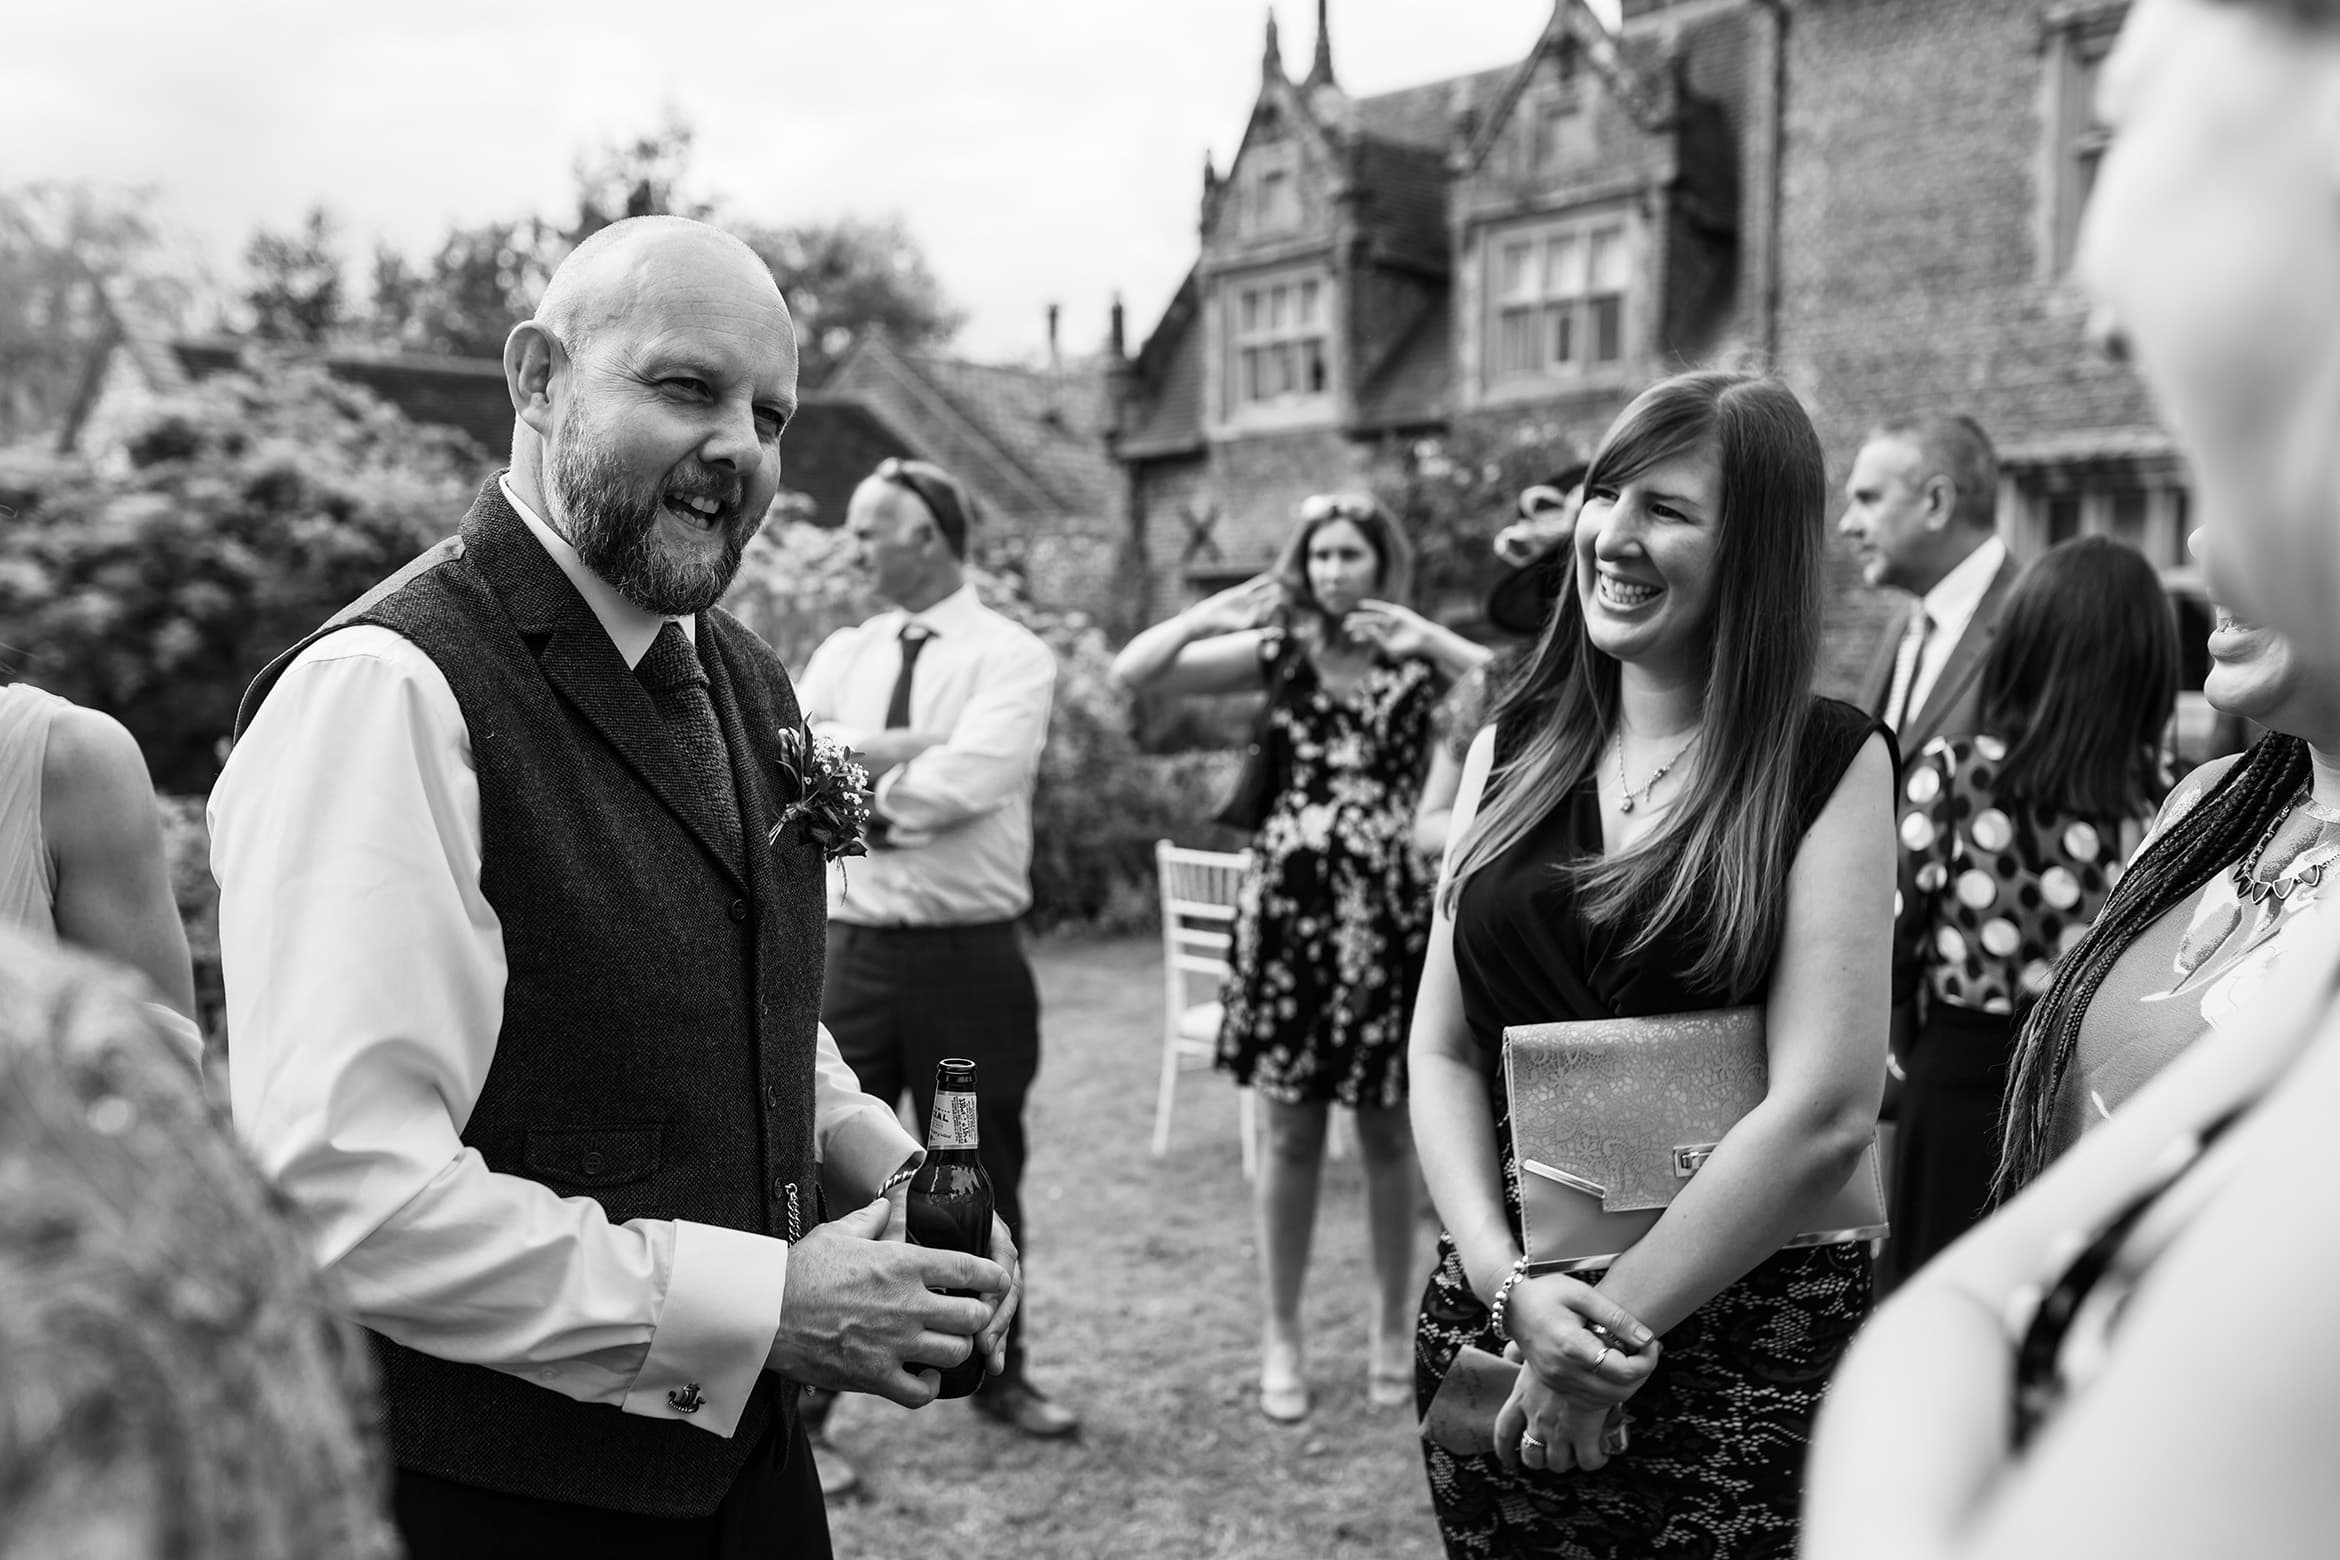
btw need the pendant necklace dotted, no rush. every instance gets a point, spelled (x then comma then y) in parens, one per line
(1627, 802)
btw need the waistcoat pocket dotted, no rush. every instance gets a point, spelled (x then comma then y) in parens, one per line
(591, 1157)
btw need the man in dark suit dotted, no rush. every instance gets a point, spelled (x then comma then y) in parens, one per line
(1921, 506)
(523, 944)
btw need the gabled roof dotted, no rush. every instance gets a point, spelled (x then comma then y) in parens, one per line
(1029, 441)
(1633, 69)
(1425, 115)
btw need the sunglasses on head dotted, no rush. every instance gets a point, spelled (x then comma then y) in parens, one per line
(1335, 506)
(1540, 500)
(939, 497)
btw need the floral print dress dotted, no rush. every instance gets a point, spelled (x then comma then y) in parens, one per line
(1332, 923)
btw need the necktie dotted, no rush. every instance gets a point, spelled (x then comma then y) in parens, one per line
(1905, 669)
(678, 686)
(914, 638)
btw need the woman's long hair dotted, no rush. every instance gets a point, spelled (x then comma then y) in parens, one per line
(1714, 873)
(2081, 679)
(2208, 840)
(1393, 558)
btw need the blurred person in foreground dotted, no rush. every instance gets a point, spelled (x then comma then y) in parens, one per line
(173, 1382)
(1536, 547)
(81, 847)
(2239, 852)
(2010, 840)
(2135, 1355)
(1329, 926)
(946, 703)
(522, 912)
(1662, 819)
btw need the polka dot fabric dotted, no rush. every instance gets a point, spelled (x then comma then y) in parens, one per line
(1993, 890)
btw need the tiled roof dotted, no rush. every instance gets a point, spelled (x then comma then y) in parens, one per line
(1408, 388)
(1424, 115)
(1172, 423)
(1407, 213)
(1051, 424)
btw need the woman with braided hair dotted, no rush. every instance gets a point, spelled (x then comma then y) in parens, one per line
(2135, 1354)
(2240, 850)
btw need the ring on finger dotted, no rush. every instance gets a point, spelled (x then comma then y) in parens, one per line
(1529, 1441)
(1606, 1351)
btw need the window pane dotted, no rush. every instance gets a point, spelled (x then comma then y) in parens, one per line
(1608, 329)
(1608, 260)
(2125, 517)
(1279, 300)
(1312, 351)
(1511, 278)
(2063, 517)
(2178, 510)
(1250, 310)
(1280, 381)
(1564, 268)
(1307, 304)
(1563, 333)
(1252, 390)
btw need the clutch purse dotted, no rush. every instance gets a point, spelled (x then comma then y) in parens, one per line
(1611, 1117)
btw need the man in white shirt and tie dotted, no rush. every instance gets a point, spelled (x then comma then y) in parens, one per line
(523, 969)
(1921, 505)
(946, 702)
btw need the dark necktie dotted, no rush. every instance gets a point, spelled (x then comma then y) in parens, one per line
(678, 686)
(914, 638)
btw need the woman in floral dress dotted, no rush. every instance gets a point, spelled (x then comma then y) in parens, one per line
(1331, 926)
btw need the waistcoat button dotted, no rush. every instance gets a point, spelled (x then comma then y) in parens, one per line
(592, 1165)
(739, 909)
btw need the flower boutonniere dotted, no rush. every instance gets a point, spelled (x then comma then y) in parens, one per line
(826, 788)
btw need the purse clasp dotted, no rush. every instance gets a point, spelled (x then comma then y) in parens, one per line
(1689, 1156)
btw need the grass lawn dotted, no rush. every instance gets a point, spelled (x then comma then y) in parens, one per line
(1145, 1318)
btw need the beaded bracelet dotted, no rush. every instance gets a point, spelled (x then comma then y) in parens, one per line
(1519, 1270)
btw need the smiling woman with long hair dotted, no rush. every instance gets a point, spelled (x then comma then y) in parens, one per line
(1328, 932)
(1661, 819)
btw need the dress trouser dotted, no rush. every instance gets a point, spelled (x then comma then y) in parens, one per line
(773, 1512)
(899, 999)
(1949, 1132)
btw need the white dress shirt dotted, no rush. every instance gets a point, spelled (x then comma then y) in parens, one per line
(959, 814)
(365, 985)
(1950, 608)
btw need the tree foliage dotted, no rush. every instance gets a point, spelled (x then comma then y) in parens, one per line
(846, 279)
(296, 280)
(251, 509)
(59, 244)
(1454, 491)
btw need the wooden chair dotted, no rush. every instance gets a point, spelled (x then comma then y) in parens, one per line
(1198, 941)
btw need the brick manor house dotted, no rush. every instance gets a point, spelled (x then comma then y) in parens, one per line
(1876, 198)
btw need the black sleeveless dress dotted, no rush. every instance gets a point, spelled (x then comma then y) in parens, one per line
(1719, 1433)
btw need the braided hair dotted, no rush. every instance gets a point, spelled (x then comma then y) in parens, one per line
(2207, 840)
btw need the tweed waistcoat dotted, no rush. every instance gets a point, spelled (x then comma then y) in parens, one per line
(656, 1050)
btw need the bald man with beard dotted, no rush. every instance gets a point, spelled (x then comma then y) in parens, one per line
(525, 984)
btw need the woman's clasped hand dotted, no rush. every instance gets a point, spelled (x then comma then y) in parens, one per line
(1582, 1358)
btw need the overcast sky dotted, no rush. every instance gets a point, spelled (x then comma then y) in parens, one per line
(1040, 149)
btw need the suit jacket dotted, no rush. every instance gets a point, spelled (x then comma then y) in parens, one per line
(1954, 703)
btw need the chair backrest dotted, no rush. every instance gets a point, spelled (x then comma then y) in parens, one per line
(1198, 912)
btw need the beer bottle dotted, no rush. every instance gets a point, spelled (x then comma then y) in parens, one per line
(950, 1197)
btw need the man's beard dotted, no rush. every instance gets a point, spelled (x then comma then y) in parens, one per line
(614, 525)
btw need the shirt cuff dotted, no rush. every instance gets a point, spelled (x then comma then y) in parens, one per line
(865, 1148)
(715, 1331)
(899, 835)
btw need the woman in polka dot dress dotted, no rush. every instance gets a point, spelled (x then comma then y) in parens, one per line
(2009, 841)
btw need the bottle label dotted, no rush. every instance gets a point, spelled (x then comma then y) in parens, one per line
(953, 1123)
